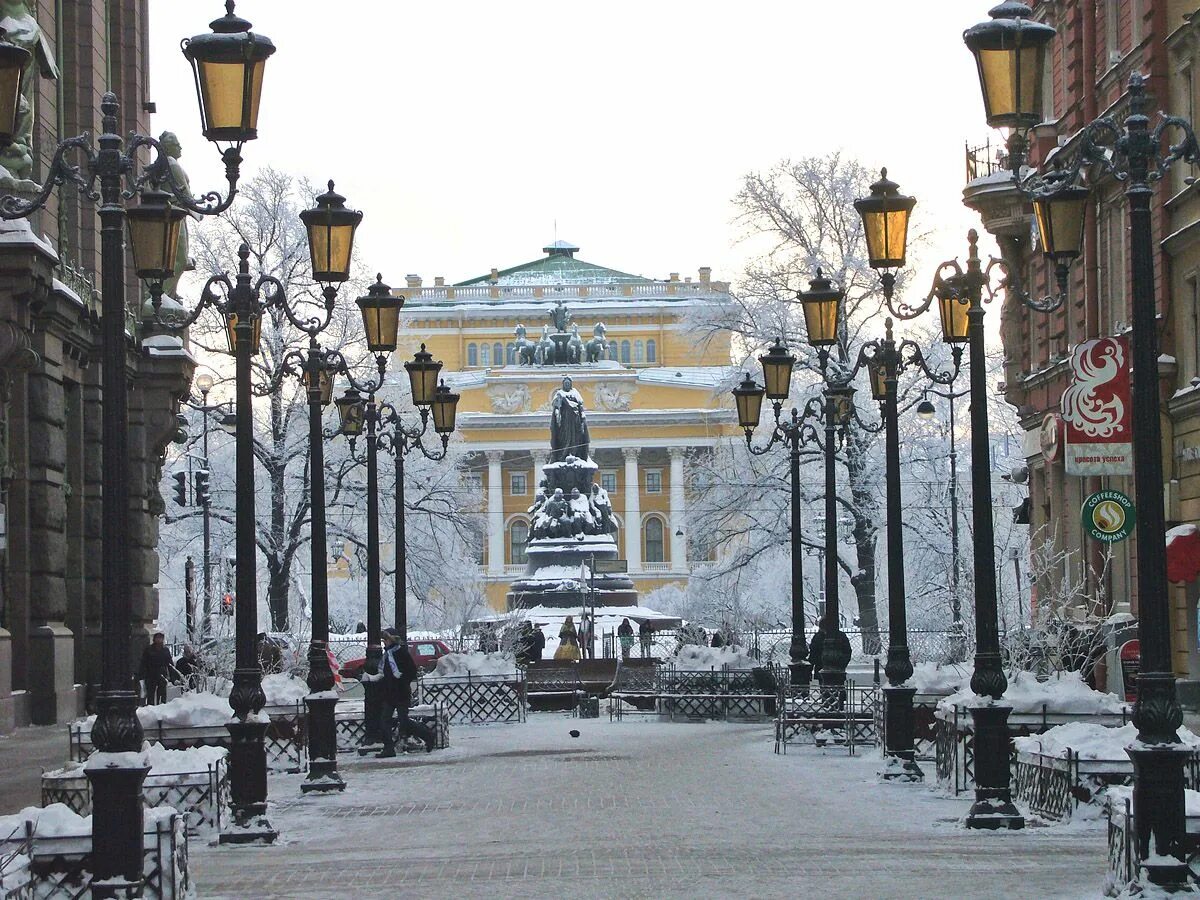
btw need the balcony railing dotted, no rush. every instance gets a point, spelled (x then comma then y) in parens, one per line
(985, 160)
(491, 292)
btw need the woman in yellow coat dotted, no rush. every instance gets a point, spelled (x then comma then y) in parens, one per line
(568, 641)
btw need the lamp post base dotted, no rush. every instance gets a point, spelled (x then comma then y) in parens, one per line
(248, 785)
(901, 763)
(993, 808)
(371, 739)
(322, 747)
(801, 673)
(117, 826)
(1159, 812)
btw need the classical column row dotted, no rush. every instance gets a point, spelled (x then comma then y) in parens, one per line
(495, 512)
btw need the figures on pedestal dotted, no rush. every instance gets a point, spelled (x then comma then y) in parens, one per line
(560, 317)
(543, 353)
(597, 347)
(560, 343)
(575, 347)
(524, 347)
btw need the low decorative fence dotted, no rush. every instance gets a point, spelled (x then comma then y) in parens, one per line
(956, 739)
(477, 699)
(811, 714)
(200, 797)
(714, 694)
(1122, 842)
(59, 866)
(924, 724)
(284, 738)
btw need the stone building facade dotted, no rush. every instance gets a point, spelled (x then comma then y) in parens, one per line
(51, 402)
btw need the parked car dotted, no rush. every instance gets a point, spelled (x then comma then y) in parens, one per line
(424, 653)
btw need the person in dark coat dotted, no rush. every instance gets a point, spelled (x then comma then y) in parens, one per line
(718, 639)
(188, 667)
(397, 672)
(155, 668)
(625, 636)
(537, 643)
(646, 638)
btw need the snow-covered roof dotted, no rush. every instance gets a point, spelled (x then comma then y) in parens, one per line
(558, 266)
(688, 376)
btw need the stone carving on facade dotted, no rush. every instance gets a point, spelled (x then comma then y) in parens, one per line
(21, 28)
(614, 396)
(508, 399)
(182, 184)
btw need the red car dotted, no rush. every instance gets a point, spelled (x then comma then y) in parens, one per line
(424, 653)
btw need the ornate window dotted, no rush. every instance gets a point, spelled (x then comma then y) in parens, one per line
(498, 354)
(625, 352)
(518, 484)
(655, 551)
(608, 479)
(651, 351)
(510, 354)
(654, 481)
(518, 540)
(485, 355)
(639, 351)
(612, 350)
(472, 355)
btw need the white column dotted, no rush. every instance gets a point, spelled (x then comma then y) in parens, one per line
(495, 507)
(678, 512)
(633, 510)
(539, 463)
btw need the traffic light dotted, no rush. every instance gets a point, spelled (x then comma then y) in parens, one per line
(180, 479)
(227, 605)
(201, 487)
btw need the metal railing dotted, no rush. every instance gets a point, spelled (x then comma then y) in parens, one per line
(665, 289)
(985, 160)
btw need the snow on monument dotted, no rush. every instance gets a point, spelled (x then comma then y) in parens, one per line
(573, 524)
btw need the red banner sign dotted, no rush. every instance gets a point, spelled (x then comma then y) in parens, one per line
(1096, 409)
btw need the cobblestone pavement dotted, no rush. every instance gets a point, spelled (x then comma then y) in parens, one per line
(638, 809)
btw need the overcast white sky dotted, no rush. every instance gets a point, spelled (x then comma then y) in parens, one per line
(464, 130)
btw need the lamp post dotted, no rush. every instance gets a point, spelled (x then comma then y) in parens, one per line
(330, 226)
(107, 177)
(1132, 153)
(926, 410)
(888, 361)
(401, 439)
(361, 416)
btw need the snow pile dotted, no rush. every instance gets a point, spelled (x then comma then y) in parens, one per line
(475, 664)
(1063, 693)
(284, 690)
(938, 678)
(55, 820)
(190, 710)
(694, 658)
(1120, 793)
(1090, 741)
(162, 761)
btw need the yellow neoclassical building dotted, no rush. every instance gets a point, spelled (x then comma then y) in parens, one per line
(657, 397)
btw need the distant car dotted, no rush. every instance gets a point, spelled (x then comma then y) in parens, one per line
(424, 653)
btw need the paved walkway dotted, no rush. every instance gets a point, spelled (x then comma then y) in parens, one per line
(638, 809)
(23, 755)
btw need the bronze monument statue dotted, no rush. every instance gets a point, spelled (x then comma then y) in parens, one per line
(568, 424)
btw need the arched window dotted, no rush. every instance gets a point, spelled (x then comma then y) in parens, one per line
(510, 354)
(485, 355)
(625, 352)
(651, 351)
(639, 352)
(612, 350)
(518, 539)
(655, 552)
(472, 355)
(498, 353)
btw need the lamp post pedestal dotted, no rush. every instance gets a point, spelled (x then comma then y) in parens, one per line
(993, 808)
(248, 785)
(802, 670)
(371, 739)
(119, 791)
(901, 763)
(1159, 811)
(322, 745)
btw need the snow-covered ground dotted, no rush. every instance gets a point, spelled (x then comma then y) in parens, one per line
(638, 809)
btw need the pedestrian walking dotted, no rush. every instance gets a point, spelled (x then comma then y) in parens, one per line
(646, 638)
(587, 636)
(625, 635)
(537, 645)
(155, 668)
(188, 667)
(568, 641)
(397, 671)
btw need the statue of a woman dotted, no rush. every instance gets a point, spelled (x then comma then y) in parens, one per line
(21, 28)
(568, 424)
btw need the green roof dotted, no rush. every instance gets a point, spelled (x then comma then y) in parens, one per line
(558, 266)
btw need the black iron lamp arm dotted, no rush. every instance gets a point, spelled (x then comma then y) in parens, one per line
(158, 173)
(276, 295)
(293, 364)
(909, 355)
(60, 173)
(396, 437)
(797, 428)
(336, 363)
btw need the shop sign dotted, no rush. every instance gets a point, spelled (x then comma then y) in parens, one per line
(1096, 409)
(1108, 516)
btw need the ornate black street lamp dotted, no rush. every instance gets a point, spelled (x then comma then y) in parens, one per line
(888, 360)
(401, 439)
(108, 178)
(1130, 152)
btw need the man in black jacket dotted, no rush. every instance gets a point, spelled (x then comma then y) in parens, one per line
(155, 669)
(397, 671)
